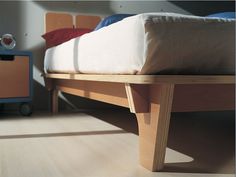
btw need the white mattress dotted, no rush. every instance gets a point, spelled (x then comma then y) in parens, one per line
(150, 43)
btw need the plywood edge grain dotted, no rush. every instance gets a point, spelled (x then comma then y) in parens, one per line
(149, 79)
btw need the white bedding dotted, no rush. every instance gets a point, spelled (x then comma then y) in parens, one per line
(150, 43)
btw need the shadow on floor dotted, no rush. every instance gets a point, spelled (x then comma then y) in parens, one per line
(207, 137)
(62, 134)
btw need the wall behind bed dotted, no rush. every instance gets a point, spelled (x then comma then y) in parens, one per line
(25, 20)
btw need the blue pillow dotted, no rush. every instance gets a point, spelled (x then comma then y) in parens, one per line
(111, 19)
(223, 15)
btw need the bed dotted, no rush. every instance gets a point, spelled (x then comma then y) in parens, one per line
(151, 97)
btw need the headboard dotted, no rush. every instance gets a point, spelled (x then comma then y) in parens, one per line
(55, 21)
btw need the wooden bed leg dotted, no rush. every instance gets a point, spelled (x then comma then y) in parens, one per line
(54, 101)
(154, 126)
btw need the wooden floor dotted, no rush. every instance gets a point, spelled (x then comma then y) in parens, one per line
(105, 144)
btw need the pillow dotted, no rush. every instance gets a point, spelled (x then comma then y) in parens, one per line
(56, 37)
(112, 19)
(223, 15)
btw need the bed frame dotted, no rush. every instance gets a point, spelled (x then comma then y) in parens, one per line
(151, 98)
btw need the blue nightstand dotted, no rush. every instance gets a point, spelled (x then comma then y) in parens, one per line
(16, 79)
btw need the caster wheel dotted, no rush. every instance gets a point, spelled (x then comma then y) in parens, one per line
(25, 109)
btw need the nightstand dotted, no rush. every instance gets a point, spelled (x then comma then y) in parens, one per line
(16, 79)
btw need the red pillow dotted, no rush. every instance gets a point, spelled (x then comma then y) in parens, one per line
(56, 37)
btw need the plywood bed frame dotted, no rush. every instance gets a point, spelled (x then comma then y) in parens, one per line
(151, 98)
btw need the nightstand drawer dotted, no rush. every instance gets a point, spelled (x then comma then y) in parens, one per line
(14, 76)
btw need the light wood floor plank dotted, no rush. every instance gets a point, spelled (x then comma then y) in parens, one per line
(96, 144)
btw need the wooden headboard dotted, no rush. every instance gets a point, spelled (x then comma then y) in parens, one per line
(55, 21)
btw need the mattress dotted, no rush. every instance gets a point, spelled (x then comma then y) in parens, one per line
(150, 43)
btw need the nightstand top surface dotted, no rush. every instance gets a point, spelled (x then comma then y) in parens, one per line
(15, 52)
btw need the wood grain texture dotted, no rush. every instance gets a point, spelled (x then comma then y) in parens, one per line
(154, 127)
(113, 93)
(155, 92)
(149, 79)
(138, 97)
(87, 21)
(15, 77)
(81, 145)
(55, 21)
(204, 97)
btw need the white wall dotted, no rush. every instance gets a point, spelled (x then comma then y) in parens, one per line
(25, 20)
